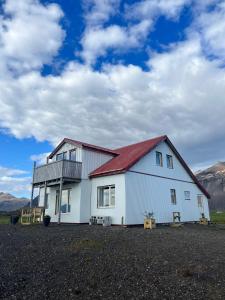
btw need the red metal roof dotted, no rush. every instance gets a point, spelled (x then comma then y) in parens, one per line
(129, 155)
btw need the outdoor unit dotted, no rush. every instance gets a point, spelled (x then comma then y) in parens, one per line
(107, 221)
(93, 220)
(100, 220)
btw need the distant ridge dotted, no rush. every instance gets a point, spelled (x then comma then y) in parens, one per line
(9, 202)
(213, 179)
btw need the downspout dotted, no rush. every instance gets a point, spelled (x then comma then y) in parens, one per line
(32, 188)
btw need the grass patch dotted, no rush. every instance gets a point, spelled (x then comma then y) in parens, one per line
(217, 217)
(4, 219)
(87, 244)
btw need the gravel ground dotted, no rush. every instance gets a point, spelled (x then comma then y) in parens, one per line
(93, 262)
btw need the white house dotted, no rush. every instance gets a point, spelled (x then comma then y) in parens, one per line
(82, 180)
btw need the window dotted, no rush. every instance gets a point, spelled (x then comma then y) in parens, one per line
(200, 200)
(61, 156)
(169, 159)
(106, 196)
(173, 196)
(65, 202)
(72, 155)
(159, 160)
(187, 195)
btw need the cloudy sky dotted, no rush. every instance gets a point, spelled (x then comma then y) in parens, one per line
(109, 72)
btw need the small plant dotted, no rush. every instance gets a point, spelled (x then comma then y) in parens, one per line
(149, 215)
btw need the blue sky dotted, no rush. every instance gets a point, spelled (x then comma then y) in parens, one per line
(109, 72)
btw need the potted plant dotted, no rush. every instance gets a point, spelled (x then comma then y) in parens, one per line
(46, 220)
(14, 219)
(149, 221)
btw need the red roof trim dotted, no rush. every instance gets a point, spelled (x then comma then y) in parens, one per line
(85, 145)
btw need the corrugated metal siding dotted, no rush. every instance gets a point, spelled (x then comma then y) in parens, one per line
(92, 160)
(148, 164)
(118, 212)
(147, 193)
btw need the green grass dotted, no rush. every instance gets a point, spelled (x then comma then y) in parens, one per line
(217, 217)
(4, 219)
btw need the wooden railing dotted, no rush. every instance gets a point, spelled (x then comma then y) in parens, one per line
(56, 170)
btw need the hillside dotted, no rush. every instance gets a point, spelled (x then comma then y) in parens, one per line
(9, 202)
(213, 179)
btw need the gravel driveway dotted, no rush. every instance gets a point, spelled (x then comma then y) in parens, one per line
(93, 262)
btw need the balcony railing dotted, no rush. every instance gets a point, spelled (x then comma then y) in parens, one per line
(66, 169)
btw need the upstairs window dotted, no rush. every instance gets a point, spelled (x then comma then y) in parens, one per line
(187, 195)
(72, 155)
(61, 156)
(169, 159)
(159, 159)
(200, 200)
(173, 196)
(106, 196)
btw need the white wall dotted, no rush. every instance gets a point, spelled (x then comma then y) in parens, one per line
(85, 202)
(74, 215)
(118, 211)
(151, 193)
(92, 160)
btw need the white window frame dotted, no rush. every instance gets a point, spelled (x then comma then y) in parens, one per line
(160, 158)
(68, 204)
(111, 196)
(73, 151)
(173, 196)
(169, 161)
(64, 154)
(186, 196)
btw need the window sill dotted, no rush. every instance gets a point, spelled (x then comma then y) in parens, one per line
(105, 207)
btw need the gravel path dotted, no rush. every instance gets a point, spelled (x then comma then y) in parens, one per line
(93, 262)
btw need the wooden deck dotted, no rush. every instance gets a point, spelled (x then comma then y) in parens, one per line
(65, 169)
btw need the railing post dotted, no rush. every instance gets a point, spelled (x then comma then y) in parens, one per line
(60, 200)
(45, 202)
(32, 187)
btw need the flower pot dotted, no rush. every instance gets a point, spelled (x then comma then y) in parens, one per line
(149, 223)
(46, 220)
(14, 219)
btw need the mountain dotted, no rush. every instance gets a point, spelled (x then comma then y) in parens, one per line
(9, 202)
(213, 179)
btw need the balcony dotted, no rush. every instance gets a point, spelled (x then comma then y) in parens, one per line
(68, 170)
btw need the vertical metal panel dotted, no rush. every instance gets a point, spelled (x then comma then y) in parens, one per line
(92, 160)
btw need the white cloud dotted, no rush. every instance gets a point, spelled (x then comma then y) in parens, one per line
(211, 26)
(97, 41)
(141, 16)
(12, 181)
(99, 11)
(30, 34)
(182, 95)
(40, 159)
(146, 9)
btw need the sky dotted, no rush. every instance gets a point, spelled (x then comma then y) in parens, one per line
(110, 73)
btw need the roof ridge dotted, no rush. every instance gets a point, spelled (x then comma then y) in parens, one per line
(155, 138)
